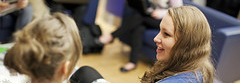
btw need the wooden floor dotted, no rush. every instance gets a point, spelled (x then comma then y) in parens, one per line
(110, 60)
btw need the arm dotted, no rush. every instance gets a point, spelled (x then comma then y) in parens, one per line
(160, 13)
(22, 3)
(175, 3)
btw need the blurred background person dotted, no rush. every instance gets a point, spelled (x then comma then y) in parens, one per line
(16, 20)
(84, 13)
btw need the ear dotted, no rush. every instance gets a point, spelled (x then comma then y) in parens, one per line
(65, 68)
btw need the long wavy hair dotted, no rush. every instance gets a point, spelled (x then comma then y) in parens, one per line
(41, 47)
(192, 49)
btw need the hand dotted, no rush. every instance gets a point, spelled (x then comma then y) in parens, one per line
(22, 3)
(105, 39)
(159, 13)
(3, 5)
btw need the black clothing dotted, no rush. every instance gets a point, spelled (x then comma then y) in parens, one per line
(85, 74)
(132, 29)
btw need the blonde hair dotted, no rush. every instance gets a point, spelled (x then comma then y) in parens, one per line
(42, 47)
(192, 49)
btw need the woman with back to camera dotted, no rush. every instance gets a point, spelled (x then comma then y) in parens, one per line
(183, 49)
(48, 50)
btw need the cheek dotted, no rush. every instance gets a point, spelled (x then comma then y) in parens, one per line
(168, 47)
(169, 44)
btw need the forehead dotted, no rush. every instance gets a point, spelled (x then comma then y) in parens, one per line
(167, 23)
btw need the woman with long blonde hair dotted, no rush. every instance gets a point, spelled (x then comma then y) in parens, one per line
(183, 49)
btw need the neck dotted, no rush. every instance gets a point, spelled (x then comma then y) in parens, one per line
(47, 81)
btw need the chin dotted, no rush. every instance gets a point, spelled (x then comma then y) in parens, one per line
(159, 58)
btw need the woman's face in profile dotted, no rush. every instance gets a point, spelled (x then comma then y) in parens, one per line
(165, 39)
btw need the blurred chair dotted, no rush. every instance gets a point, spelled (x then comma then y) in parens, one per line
(228, 42)
(217, 20)
(115, 7)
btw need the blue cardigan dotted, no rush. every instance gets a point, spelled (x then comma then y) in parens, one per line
(187, 77)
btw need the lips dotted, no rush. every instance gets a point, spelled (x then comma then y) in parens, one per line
(159, 50)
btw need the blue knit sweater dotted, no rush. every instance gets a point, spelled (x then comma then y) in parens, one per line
(187, 77)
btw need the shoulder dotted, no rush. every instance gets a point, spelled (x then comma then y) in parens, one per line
(188, 77)
(7, 77)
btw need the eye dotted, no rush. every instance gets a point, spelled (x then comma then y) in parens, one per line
(166, 34)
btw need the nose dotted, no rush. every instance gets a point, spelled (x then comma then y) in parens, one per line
(157, 38)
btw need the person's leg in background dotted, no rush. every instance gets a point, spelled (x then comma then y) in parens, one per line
(129, 23)
(132, 26)
(6, 28)
(136, 40)
(131, 19)
(24, 16)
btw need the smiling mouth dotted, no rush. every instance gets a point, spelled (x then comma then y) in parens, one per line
(159, 50)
